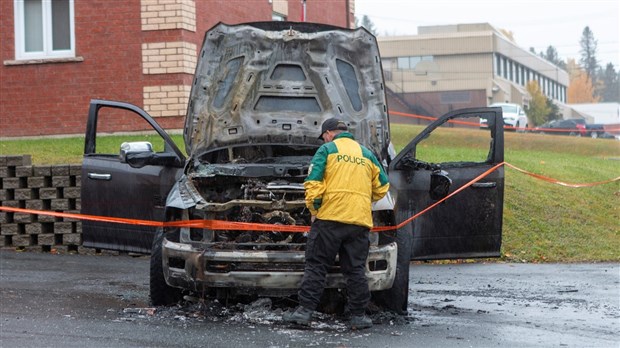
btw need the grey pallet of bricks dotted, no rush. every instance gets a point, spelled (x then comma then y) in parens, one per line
(39, 187)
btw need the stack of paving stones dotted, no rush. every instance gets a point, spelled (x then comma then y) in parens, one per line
(48, 188)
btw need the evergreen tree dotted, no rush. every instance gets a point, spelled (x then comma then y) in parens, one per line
(554, 111)
(610, 91)
(588, 54)
(368, 24)
(552, 56)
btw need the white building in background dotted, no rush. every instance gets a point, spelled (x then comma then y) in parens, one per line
(603, 113)
(449, 67)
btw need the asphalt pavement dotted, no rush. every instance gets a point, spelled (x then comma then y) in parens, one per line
(51, 300)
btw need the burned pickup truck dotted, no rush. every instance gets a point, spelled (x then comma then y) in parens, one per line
(234, 206)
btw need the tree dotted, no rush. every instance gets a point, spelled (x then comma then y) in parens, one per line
(368, 24)
(552, 56)
(610, 91)
(588, 54)
(580, 90)
(554, 111)
(538, 110)
(508, 34)
(572, 68)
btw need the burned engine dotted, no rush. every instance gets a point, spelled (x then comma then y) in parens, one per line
(268, 190)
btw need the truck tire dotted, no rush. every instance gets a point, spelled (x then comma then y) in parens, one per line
(396, 298)
(161, 293)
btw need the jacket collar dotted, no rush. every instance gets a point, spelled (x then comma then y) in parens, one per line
(344, 135)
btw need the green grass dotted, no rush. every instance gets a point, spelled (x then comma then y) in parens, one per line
(46, 151)
(543, 222)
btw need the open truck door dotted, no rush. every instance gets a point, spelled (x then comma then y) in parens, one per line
(435, 164)
(127, 176)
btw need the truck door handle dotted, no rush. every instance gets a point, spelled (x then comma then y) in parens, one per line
(97, 176)
(484, 185)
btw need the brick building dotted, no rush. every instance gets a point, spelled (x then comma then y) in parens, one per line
(59, 54)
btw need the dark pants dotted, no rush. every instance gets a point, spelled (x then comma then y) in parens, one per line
(327, 239)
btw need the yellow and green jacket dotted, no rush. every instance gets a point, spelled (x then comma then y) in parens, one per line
(343, 179)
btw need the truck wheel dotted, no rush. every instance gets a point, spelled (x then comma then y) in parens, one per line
(161, 293)
(396, 298)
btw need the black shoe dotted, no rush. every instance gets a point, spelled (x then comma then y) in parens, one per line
(300, 315)
(359, 322)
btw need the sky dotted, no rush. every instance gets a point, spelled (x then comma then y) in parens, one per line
(537, 24)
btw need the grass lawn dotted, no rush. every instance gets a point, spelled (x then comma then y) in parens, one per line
(543, 222)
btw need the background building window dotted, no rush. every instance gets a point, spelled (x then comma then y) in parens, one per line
(44, 29)
(410, 62)
(455, 97)
(275, 16)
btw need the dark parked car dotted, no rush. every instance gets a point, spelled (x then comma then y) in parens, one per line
(573, 127)
(259, 96)
(597, 130)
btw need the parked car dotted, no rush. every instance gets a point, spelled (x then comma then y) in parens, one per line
(259, 96)
(514, 117)
(573, 127)
(597, 130)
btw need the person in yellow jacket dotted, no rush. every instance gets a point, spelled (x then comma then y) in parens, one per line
(343, 180)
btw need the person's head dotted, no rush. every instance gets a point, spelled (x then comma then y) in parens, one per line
(332, 127)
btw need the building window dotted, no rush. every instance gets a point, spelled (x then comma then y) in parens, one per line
(528, 76)
(498, 65)
(405, 63)
(455, 97)
(275, 16)
(44, 29)
(517, 73)
(563, 94)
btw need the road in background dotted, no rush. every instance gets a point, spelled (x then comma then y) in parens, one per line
(102, 301)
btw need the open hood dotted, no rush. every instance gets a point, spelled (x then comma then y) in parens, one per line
(276, 82)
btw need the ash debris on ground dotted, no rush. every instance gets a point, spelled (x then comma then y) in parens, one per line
(262, 311)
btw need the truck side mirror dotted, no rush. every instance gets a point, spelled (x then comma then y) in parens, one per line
(137, 154)
(440, 184)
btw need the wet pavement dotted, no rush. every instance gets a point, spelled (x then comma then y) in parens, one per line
(102, 301)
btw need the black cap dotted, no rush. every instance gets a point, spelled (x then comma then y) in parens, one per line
(332, 124)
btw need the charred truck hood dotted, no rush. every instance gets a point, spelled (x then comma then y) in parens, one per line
(274, 83)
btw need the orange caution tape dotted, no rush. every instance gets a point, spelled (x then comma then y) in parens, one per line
(554, 181)
(473, 124)
(430, 118)
(209, 224)
(476, 179)
(234, 225)
(246, 226)
(398, 113)
(84, 217)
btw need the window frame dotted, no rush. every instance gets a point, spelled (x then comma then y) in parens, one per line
(48, 52)
(277, 17)
(412, 61)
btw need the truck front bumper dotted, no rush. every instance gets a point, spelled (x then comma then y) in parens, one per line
(188, 267)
